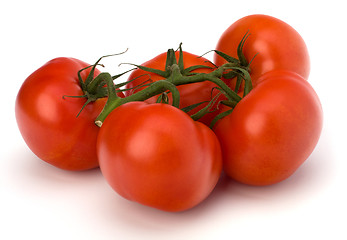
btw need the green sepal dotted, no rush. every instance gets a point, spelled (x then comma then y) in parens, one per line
(248, 81)
(219, 117)
(90, 76)
(241, 61)
(164, 74)
(238, 83)
(207, 109)
(240, 55)
(227, 57)
(121, 74)
(191, 107)
(229, 103)
(170, 60)
(188, 70)
(230, 75)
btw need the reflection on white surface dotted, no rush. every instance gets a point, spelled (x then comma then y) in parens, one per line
(52, 199)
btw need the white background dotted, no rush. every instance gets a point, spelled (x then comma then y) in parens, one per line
(39, 201)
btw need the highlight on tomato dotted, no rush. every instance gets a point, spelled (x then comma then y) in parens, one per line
(270, 44)
(271, 131)
(47, 106)
(156, 155)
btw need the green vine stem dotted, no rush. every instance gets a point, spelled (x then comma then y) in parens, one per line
(176, 78)
(173, 75)
(154, 89)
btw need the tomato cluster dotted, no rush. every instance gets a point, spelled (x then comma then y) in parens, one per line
(163, 137)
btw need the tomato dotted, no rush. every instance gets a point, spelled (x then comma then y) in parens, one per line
(155, 154)
(271, 131)
(272, 43)
(190, 93)
(48, 122)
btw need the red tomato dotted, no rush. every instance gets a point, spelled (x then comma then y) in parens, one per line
(272, 131)
(155, 154)
(189, 94)
(277, 46)
(48, 123)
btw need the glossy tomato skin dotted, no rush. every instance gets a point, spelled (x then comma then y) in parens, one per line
(274, 43)
(48, 123)
(190, 93)
(156, 155)
(272, 131)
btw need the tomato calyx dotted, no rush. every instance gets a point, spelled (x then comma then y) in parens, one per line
(94, 88)
(173, 67)
(240, 62)
(244, 75)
